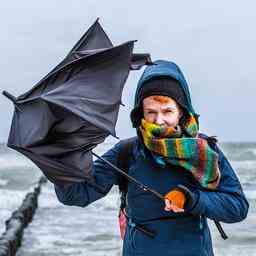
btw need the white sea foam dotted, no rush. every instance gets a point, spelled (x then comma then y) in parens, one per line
(4, 215)
(9, 202)
(250, 194)
(111, 202)
(11, 199)
(248, 164)
(3, 182)
(49, 200)
(253, 150)
(13, 161)
(59, 229)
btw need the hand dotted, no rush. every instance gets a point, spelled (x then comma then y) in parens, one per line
(169, 206)
(178, 199)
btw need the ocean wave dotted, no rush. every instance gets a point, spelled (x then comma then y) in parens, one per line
(4, 215)
(250, 194)
(111, 202)
(13, 161)
(3, 182)
(240, 151)
(49, 199)
(249, 153)
(247, 164)
(254, 151)
(11, 199)
(246, 171)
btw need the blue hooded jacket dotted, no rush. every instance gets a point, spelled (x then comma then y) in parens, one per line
(177, 234)
(162, 68)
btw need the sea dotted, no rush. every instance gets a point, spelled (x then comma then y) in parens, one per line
(57, 229)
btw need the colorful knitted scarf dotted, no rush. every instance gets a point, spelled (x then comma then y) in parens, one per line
(183, 147)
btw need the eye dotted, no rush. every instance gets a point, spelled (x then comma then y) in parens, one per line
(150, 112)
(169, 111)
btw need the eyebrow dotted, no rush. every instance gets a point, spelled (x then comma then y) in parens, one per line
(170, 107)
(166, 108)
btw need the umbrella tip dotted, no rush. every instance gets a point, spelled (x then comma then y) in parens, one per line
(11, 98)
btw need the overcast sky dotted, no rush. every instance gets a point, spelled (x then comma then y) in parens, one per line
(213, 42)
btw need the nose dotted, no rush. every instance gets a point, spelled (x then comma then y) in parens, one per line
(159, 119)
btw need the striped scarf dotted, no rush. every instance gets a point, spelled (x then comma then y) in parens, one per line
(171, 145)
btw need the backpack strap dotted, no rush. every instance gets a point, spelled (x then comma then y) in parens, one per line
(123, 159)
(212, 142)
(123, 163)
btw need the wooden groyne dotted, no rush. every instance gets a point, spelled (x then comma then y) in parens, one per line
(11, 239)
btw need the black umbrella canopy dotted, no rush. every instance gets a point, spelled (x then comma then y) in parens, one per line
(74, 108)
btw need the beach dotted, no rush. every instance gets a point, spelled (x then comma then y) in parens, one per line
(63, 230)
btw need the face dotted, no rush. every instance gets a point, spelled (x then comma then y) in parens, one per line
(161, 110)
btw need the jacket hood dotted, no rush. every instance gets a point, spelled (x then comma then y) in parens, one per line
(159, 69)
(163, 68)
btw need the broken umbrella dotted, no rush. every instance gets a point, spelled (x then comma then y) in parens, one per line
(74, 108)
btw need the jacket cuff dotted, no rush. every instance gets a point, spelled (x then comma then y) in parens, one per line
(195, 207)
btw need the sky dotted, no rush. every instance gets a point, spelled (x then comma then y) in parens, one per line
(213, 42)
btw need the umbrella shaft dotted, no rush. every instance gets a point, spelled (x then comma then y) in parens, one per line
(155, 193)
(130, 178)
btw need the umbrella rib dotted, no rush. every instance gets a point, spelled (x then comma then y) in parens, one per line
(75, 62)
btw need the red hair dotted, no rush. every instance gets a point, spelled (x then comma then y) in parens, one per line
(161, 99)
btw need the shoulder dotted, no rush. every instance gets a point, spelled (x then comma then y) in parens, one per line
(125, 145)
(212, 141)
(228, 175)
(129, 145)
(128, 142)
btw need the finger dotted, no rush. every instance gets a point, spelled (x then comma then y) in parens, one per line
(167, 209)
(175, 208)
(167, 203)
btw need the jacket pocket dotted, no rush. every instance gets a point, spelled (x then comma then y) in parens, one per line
(181, 236)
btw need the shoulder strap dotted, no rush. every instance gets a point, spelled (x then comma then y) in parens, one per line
(123, 161)
(212, 140)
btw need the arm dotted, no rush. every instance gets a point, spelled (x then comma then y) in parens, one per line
(81, 193)
(228, 203)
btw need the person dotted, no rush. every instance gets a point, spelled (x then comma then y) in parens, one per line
(170, 156)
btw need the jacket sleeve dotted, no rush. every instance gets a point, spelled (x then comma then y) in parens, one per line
(228, 203)
(82, 193)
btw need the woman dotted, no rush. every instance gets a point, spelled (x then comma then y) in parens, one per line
(172, 157)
